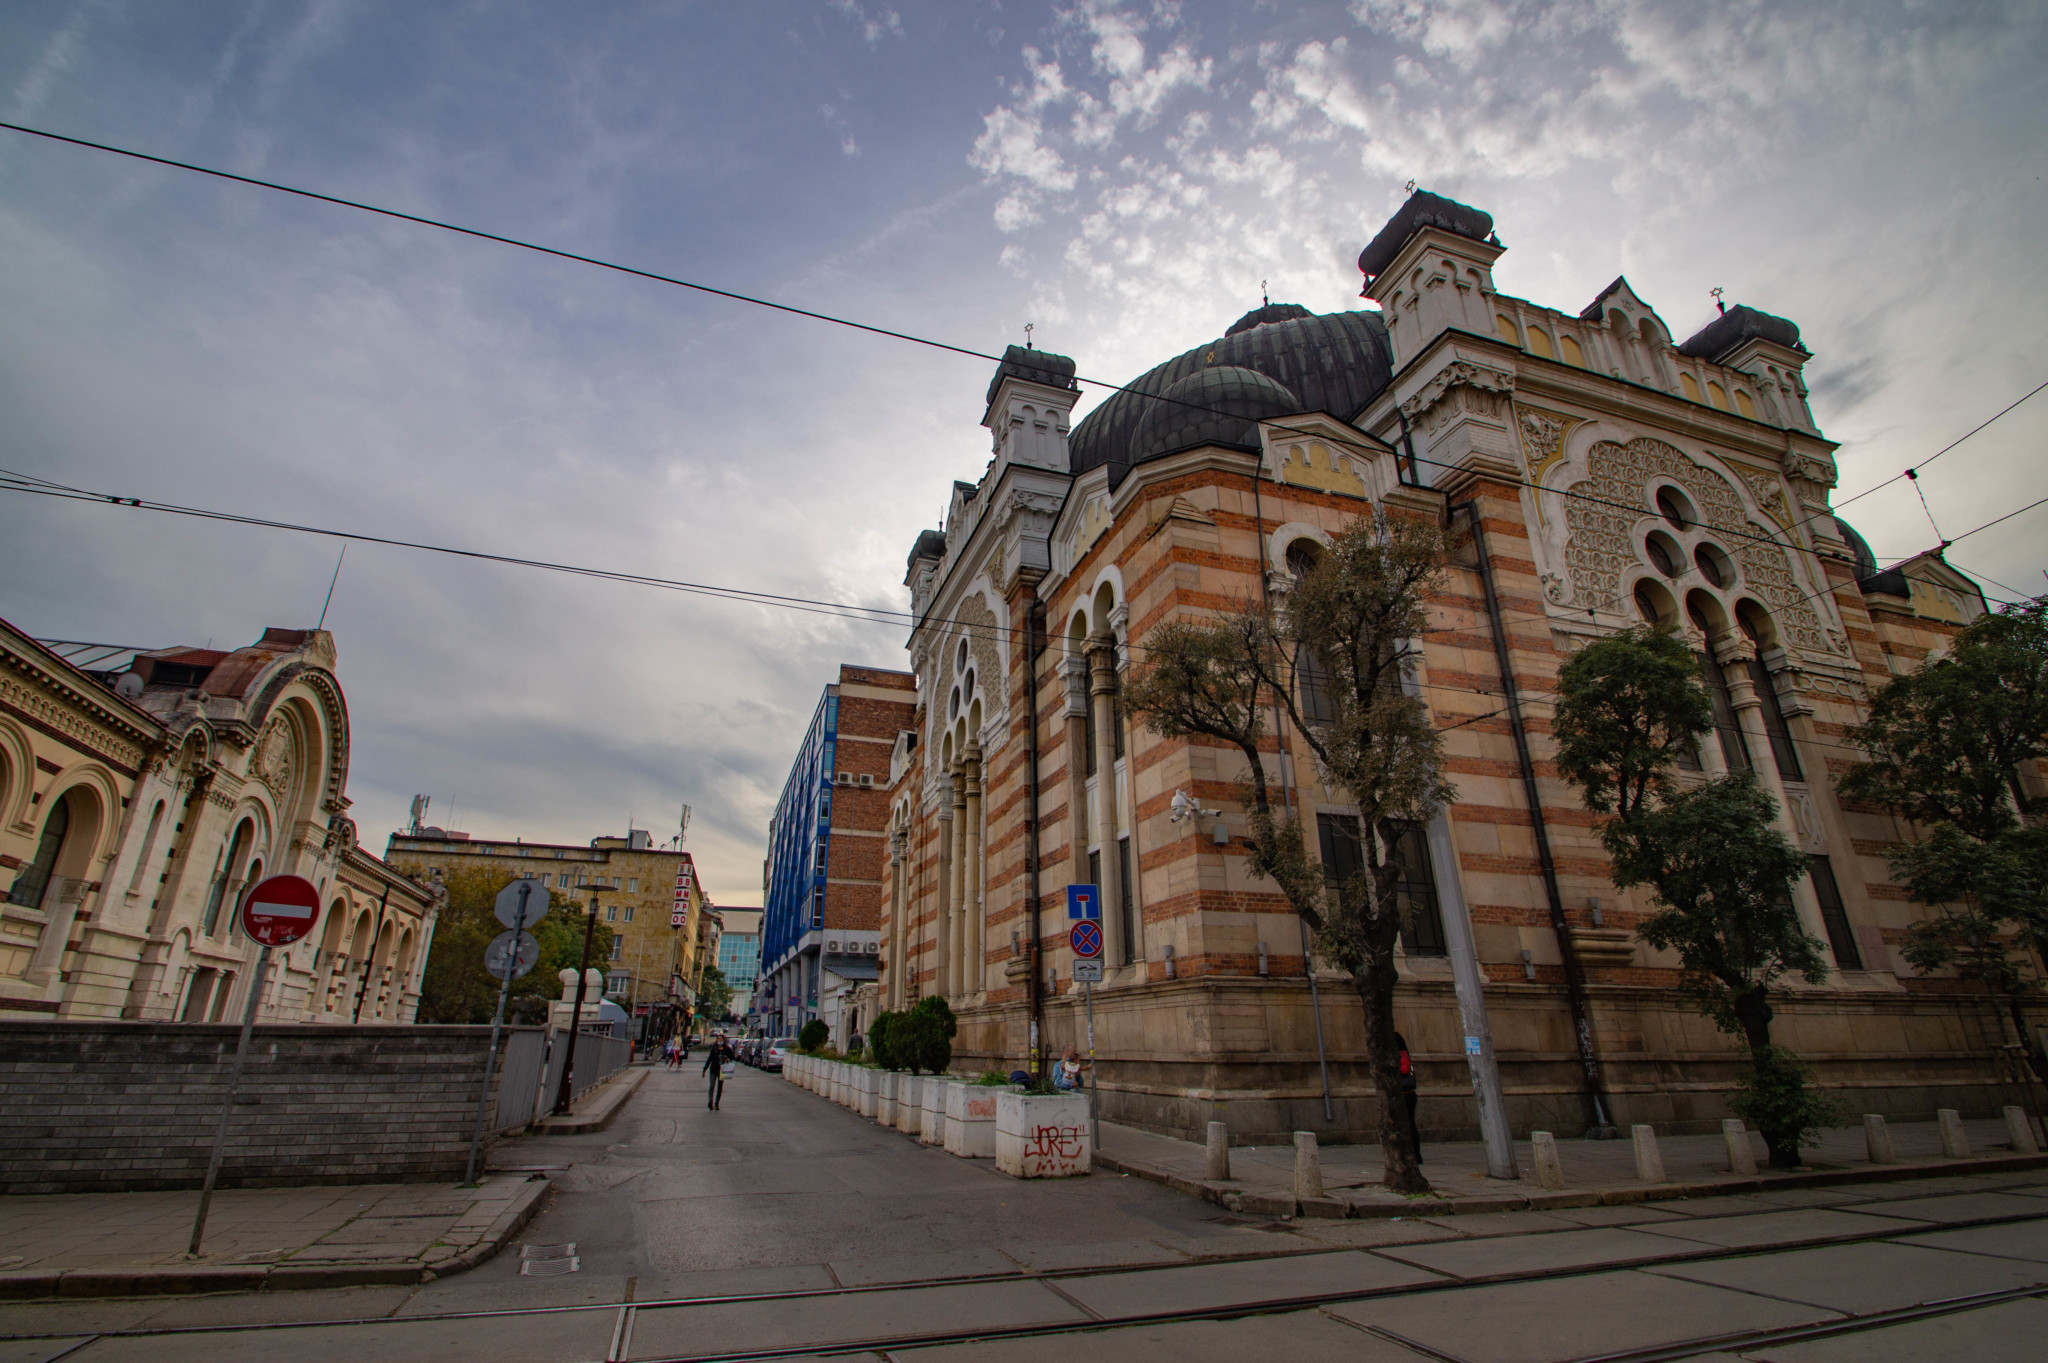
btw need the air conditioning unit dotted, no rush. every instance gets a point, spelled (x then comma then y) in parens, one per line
(845, 778)
(874, 947)
(831, 946)
(867, 780)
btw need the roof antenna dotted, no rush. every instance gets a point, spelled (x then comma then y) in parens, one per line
(330, 587)
(1408, 188)
(1027, 334)
(1717, 291)
(1265, 298)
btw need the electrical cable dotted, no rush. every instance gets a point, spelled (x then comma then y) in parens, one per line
(1356, 447)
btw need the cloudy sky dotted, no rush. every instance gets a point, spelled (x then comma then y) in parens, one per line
(1121, 175)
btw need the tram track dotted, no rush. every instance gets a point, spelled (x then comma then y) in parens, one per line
(627, 1314)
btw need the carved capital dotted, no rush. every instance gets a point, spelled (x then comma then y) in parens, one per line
(1460, 388)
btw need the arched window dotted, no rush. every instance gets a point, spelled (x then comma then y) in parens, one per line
(1756, 628)
(33, 880)
(1505, 325)
(1673, 507)
(223, 873)
(1572, 354)
(1539, 343)
(1717, 395)
(156, 821)
(1311, 672)
(1691, 386)
(1744, 405)
(1733, 747)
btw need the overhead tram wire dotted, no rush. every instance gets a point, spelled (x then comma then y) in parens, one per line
(1354, 446)
(11, 481)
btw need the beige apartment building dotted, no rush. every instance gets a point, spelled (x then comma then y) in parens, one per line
(655, 903)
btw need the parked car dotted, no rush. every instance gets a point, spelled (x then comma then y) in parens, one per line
(773, 1051)
(750, 1051)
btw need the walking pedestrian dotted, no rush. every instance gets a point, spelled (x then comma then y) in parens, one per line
(714, 1065)
(1408, 1093)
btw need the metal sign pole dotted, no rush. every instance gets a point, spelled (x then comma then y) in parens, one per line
(227, 1106)
(483, 1099)
(1094, 1108)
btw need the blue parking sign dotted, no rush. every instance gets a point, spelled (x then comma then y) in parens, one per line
(1084, 901)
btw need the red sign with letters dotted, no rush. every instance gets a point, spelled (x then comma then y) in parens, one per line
(280, 910)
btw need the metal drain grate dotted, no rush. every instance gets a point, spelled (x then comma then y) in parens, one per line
(547, 1261)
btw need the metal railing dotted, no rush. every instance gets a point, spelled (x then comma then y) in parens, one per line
(532, 1074)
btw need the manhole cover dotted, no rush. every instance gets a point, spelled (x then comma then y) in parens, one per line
(546, 1261)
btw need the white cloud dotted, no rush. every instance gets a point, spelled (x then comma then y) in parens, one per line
(1010, 144)
(884, 20)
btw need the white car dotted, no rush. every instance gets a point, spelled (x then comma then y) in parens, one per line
(773, 1051)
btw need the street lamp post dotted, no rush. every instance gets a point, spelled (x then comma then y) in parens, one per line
(576, 1014)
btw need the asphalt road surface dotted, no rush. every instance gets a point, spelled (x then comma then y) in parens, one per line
(784, 1226)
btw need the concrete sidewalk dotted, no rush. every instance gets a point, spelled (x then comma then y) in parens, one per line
(1596, 1172)
(126, 1244)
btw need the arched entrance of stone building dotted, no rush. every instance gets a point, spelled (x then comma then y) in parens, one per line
(59, 872)
(34, 880)
(227, 876)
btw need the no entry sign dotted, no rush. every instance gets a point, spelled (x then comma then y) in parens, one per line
(280, 910)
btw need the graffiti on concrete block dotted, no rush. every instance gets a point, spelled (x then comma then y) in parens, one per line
(1057, 1143)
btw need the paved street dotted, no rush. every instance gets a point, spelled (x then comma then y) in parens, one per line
(785, 1225)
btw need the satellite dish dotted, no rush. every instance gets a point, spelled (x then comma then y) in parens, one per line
(128, 686)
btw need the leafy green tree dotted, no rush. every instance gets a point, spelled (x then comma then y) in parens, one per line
(812, 1035)
(1628, 707)
(455, 987)
(714, 994)
(1946, 744)
(1344, 636)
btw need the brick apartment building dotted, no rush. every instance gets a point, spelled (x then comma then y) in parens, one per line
(828, 854)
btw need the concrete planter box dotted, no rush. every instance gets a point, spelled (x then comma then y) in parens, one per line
(909, 1102)
(1042, 1135)
(870, 1091)
(841, 1074)
(971, 1120)
(885, 1098)
(931, 1128)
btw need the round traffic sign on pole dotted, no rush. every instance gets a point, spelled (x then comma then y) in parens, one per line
(280, 910)
(1085, 937)
(533, 892)
(508, 964)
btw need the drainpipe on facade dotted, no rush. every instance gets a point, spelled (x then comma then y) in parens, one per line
(1574, 980)
(1033, 608)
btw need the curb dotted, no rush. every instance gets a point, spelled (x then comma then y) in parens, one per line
(185, 1279)
(602, 1113)
(1237, 1197)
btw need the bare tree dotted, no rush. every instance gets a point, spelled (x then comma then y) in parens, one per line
(1336, 660)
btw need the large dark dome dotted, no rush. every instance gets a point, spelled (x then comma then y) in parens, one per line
(1218, 406)
(1335, 362)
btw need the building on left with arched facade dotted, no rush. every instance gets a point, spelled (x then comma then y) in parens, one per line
(140, 795)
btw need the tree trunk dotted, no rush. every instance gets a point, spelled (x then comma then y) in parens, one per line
(1374, 980)
(1753, 1011)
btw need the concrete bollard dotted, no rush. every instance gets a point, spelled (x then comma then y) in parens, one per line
(1217, 1167)
(1649, 1162)
(1308, 1165)
(1741, 1158)
(1955, 1143)
(1549, 1168)
(1877, 1139)
(2020, 1131)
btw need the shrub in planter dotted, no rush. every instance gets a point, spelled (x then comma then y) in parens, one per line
(884, 1044)
(813, 1034)
(926, 1036)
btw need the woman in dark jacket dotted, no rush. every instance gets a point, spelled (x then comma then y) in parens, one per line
(714, 1065)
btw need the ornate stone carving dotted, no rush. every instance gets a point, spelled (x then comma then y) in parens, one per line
(1770, 495)
(276, 756)
(1600, 546)
(1815, 469)
(982, 627)
(1458, 389)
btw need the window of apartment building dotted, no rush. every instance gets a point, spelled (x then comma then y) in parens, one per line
(1833, 914)
(611, 913)
(818, 907)
(618, 947)
(1422, 928)
(629, 913)
(632, 884)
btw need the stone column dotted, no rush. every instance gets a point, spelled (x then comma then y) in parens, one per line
(1712, 760)
(1749, 714)
(942, 938)
(899, 955)
(1101, 695)
(973, 954)
(1075, 675)
(62, 896)
(956, 918)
